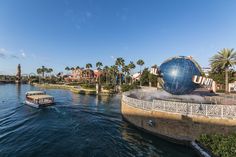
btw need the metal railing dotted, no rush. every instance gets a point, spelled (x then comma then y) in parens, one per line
(190, 109)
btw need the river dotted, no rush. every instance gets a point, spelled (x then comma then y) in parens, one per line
(76, 126)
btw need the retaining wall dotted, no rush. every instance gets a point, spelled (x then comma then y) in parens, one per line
(177, 120)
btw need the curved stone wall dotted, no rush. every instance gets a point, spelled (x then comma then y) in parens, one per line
(178, 120)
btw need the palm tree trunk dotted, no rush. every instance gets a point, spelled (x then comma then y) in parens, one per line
(140, 77)
(106, 79)
(99, 80)
(125, 79)
(226, 80)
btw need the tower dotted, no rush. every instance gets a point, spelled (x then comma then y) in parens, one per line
(18, 74)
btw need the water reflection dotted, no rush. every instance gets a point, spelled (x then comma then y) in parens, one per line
(18, 91)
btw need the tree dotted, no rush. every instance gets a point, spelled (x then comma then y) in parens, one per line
(114, 71)
(99, 65)
(144, 78)
(126, 71)
(42, 70)
(72, 68)
(223, 61)
(131, 67)
(88, 66)
(77, 68)
(219, 77)
(49, 70)
(39, 71)
(106, 71)
(140, 62)
(120, 63)
(67, 69)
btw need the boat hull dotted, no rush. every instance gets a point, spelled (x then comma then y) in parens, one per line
(36, 105)
(31, 104)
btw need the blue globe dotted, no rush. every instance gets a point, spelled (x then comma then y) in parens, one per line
(177, 74)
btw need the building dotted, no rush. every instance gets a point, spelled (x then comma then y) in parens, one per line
(81, 74)
(206, 70)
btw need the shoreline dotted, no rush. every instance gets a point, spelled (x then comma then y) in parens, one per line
(73, 89)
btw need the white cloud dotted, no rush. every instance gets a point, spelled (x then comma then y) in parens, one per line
(2, 53)
(2, 50)
(113, 58)
(23, 54)
(5, 54)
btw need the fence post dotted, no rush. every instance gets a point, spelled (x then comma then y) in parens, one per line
(152, 105)
(187, 111)
(164, 106)
(176, 107)
(222, 111)
(191, 111)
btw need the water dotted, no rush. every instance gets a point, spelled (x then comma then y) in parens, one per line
(76, 126)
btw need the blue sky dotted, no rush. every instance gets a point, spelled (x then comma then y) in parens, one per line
(60, 33)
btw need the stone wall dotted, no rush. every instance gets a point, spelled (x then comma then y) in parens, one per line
(176, 125)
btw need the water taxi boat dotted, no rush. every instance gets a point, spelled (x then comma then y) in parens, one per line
(38, 99)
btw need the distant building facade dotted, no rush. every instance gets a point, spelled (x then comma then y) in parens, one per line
(80, 74)
(206, 70)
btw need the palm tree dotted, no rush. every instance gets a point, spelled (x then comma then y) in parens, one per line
(88, 66)
(49, 70)
(106, 70)
(99, 65)
(120, 62)
(126, 71)
(42, 70)
(72, 68)
(140, 62)
(39, 71)
(223, 61)
(114, 70)
(67, 69)
(131, 67)
(77, 68)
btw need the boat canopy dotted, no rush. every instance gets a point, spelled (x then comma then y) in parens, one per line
(38, 97)
(35, 93)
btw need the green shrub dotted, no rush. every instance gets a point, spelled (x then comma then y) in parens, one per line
(73, 84)
(88, 86)
(127, 87)
(220, 145)
(108, 87)
(220, 91)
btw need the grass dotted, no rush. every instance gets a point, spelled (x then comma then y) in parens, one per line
(220, 145)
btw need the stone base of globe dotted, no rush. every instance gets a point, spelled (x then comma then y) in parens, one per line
(178, 117)
(150, 94)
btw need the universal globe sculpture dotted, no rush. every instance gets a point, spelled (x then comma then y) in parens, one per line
(177, 74)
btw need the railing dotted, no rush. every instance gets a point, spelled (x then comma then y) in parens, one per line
(190, 109)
